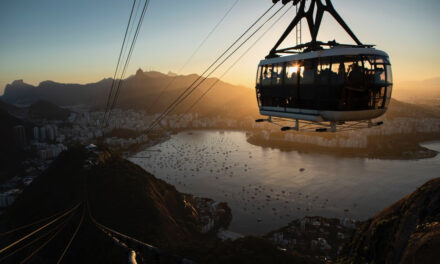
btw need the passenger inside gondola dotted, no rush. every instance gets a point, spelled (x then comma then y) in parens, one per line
(346, 83)
(355, 80)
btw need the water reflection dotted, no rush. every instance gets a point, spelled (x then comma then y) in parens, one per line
(266, 188)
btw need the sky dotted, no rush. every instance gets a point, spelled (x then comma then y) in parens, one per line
(78, 41)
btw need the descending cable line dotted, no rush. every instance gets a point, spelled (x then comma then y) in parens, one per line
(192, 56)
(209, 35)
(100, 226)
(129, 54)
(237, 50)
(31, 242)
(119, 59)
(154, 123)
(130, 34)
(29, 225)
(115, 99)
(158, 119)
(48, 241)
(73, 236)
(124, 56)
(235, 63)
(158, 251)
(192, 89)
(39, 229)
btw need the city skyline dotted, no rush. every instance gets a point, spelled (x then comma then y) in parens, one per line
(78, 42)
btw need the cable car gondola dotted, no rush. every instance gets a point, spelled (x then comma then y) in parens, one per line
(328, 84)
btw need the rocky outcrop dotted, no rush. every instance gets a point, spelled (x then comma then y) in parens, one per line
(407, 232)
(46, 110)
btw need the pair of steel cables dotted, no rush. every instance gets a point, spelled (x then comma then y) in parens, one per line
(222, 59)
(125, 54)
(56, 223)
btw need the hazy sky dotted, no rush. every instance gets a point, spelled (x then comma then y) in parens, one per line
(79, 40)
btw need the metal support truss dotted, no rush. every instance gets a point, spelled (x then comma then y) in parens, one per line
(313, 21)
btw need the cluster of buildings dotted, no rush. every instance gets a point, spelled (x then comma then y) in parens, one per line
(30, 169)
(47, 133)
(8, 197)
(46, 142)
(125, 143)
(353, 141)
(87, 126)
(213, 215)
(20, 139)
(408, 126)
(356, 139)
(315, 236)
(49, 151)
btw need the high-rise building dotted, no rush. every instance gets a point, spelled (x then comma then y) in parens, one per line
(42, 134)
(36, 133)
(55, 131)
(50, 133)
(20, 136)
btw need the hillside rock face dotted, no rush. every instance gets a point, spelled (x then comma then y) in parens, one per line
(124, 197)
(46, 110)
(18, 89)
(20, 93)
(407, 232)
(11, 154)
(151, 91)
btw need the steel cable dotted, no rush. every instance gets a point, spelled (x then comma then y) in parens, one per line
(31, 242)
(192, 56)
(115, 99)
(73, 236)
(31, 224)
(47, 241)
(154, 123)
(119, 60)
(39, 229)
(192, 89)
(235, 63)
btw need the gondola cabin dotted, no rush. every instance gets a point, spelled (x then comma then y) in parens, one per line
(337, 84)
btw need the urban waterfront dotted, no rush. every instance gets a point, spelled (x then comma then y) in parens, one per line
(267, 188)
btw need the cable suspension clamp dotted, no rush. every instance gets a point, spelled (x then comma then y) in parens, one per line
(313, 16)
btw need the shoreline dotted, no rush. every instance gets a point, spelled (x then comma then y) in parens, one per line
(398, 146)
(308, 150)
(392, 147)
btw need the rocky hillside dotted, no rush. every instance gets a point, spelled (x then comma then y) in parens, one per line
(151, 91)
(21, 93)
(11, 155)
(126, 198)
(121, 196)
(407, 232)
(46, 110)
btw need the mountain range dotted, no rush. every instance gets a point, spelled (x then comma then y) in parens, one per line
(151, 91)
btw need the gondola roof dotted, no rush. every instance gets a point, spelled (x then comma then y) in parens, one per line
(335, 51)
